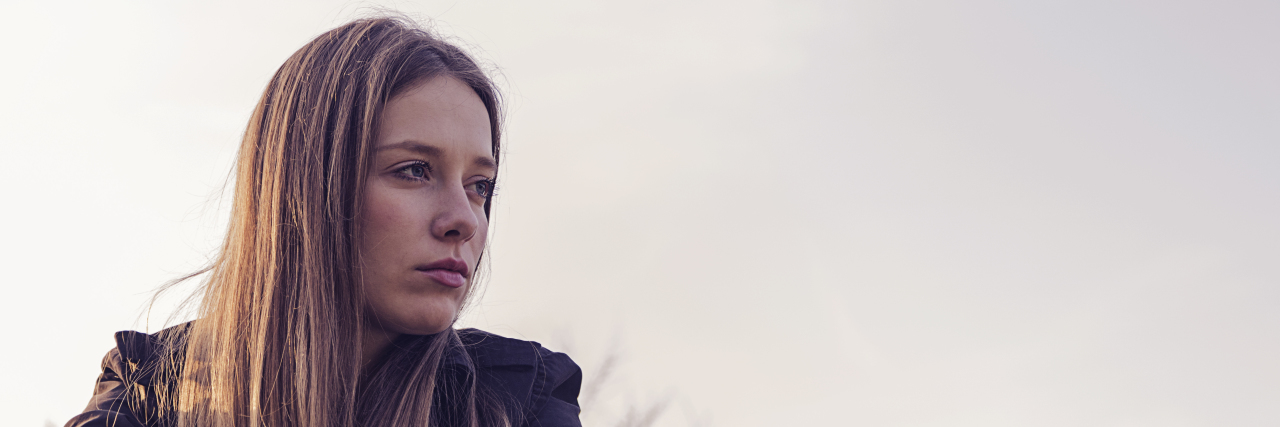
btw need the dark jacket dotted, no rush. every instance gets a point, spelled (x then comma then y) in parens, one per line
(540, 386)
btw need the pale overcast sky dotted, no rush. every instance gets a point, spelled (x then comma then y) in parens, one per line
(864, 213)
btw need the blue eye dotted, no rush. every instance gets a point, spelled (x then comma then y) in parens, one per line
(484, 188)
(415, 171)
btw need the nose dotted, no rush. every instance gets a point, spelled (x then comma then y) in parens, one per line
(455, 220)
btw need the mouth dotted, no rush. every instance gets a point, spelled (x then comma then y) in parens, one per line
(451, 272)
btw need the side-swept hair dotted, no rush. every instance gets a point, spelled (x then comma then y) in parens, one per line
(278, 340)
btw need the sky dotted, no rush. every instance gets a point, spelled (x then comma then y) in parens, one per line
(747, 213)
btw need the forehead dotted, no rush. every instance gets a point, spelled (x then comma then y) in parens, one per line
(442, 112)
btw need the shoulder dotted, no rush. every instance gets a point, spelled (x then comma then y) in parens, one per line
(544, 384)
(124, 394)
(139, 351)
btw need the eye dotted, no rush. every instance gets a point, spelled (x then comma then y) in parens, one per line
(483, 188)
(414, 171)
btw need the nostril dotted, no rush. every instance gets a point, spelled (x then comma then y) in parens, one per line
(452, 233)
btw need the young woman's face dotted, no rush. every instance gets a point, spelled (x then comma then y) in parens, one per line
(423, 217)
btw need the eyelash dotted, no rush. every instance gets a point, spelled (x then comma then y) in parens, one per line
(426, 171)
(490, 185)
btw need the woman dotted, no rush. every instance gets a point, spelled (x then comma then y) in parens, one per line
(362, 197)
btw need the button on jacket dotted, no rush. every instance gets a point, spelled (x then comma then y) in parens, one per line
(540, 386)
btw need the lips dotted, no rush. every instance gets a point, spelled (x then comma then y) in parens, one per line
(451, 272)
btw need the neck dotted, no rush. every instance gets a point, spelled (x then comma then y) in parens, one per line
(374, 342)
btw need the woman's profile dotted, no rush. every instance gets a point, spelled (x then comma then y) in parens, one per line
(360, 215)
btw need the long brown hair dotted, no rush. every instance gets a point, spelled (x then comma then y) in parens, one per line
(278, 340)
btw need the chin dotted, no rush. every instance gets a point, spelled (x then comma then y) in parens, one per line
(430, 324)
(433, 330)
(415, 316)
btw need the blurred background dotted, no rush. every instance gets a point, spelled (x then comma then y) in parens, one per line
(747, 213)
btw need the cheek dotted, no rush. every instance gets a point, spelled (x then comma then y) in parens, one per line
(482, 231)
(385, 218)
(379, 212)
(386, 239)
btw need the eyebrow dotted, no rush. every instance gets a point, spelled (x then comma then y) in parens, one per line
(485, 162)
(432, 151)
(411, 146)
